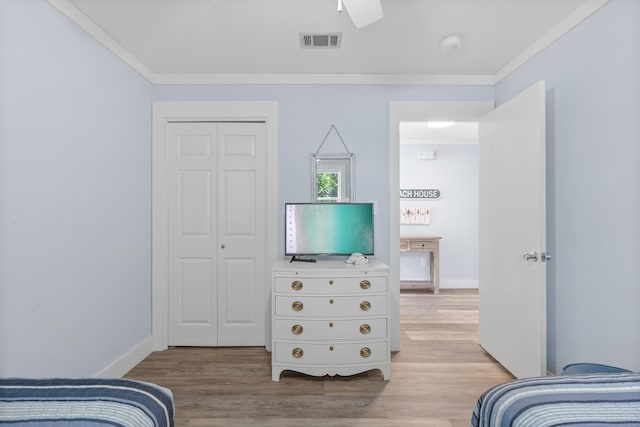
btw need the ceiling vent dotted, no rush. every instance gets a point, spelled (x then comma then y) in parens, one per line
(320, 40)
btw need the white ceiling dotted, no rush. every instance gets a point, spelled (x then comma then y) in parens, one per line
(258, 40)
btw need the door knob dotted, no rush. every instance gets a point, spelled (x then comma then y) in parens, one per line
(222, 246)
(530, 256)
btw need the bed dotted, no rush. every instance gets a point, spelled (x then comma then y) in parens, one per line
(84, 402)
(598, 399)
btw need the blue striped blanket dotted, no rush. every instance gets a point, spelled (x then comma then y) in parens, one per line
(565, 400)
(84, 402)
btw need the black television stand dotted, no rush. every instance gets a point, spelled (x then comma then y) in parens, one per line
(299, 259)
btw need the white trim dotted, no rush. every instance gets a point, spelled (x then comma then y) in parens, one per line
(83, 21)
(459, 284)
(220, 111)
(444, 284)
(583, 12)
(323, 79)
(128, 361)
(414, 111)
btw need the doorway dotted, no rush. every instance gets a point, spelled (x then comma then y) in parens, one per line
(414, 112)
(439, 202)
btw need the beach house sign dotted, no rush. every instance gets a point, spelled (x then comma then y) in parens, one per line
(427, 193)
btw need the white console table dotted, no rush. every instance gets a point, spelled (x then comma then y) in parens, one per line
(330, 318)
(425, 244)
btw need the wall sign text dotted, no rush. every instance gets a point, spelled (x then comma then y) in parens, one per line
(429, 193)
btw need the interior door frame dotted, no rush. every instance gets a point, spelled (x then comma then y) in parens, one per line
(203, 111)
(414, 111)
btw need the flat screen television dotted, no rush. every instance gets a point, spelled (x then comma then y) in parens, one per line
(328, 228)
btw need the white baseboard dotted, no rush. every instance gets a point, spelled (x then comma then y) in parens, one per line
(444, 284)
(458, 284)
(124, 364)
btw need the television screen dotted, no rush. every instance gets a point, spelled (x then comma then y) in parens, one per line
(328, 228)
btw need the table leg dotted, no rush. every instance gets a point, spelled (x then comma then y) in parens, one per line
(435, 271)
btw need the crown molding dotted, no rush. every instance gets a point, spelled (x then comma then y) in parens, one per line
(559, 30)
(81, 20)
(321, 79)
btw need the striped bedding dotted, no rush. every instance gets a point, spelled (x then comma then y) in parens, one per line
(84, 402)
(565, 400)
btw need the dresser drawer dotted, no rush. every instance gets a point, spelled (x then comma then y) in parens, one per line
(418, 245)
(330, 306)
(331, 354)
(330, 285)
(311, 330)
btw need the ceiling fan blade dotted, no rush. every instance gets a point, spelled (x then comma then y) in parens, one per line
(363, 12)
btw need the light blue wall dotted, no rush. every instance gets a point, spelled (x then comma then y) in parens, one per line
(593, 142)
(75, 204)
(361, 115)
(454, 216)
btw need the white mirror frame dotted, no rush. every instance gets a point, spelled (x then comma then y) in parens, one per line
(344, 165)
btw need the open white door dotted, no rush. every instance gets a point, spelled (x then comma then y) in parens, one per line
(513, 233)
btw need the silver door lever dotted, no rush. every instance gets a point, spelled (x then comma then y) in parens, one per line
(533, 256)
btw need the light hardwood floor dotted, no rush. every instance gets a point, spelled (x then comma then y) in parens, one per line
(435, 378)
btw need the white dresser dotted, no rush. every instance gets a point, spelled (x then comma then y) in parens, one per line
(330, 318)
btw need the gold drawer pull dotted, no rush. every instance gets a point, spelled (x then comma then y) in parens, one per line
(365, 329)
(330, 348)
(331, 324)
(331, 301)
(296, 329)
(331, 282)
(297, 306)
(298, 353)
(364, 306)
(365, 284)
(296, 286)
(364, 352)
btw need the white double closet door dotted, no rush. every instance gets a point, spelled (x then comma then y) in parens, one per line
(217, 247)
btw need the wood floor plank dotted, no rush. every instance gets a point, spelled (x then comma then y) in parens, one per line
(436, 378)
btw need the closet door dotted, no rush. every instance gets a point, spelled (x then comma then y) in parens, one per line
(192, 157)
(241, 234)
(216, 186)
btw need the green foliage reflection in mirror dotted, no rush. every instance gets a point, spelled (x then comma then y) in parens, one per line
(327, 186)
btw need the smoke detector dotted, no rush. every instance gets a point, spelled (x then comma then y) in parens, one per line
(320, 40)
(451, 44)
